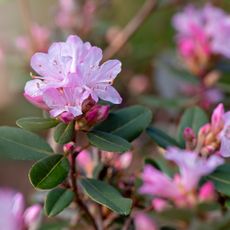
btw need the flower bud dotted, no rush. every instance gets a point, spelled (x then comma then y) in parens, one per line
(144, 222)
(32, 216)
(188, 134)
(96, 114)
(159, 204)
(207, 192)
(66, 117)
(69, 147)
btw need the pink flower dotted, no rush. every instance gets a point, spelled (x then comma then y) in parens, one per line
(12, 215)
(155, 182)
(159, 204)
(69, 75)
(191, 166)
(143, 222)
(203, 31)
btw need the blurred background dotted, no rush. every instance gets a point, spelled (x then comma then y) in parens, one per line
(148, 57)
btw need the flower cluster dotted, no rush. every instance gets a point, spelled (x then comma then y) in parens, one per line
(182, 188)
(202, 31)
(13, 215)
(70, 75)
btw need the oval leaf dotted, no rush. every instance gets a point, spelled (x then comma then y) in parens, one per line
(193, 118)
(221, 179)
(106, 195)
(36, 123)
(57, 200)
(108, 142)
(64, 133)
(49, 172)
(161, 138)
(19, 144)
(127, 123)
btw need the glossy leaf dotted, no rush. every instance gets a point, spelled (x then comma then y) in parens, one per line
(64, 133)
(57, 200)
(108, 142)
(127, 123)
(194, 118)
(18, 144)
(161, 138)
(36, 123)
(106, 195)
(49, 172)
(221, 179)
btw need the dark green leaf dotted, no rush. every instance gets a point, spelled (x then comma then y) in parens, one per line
(64, 133)
(161, 138)
(57, 200)
(221, 178)
(194, 118)
(106, 195)
(16, 143)
(127, 123)
(36, 123)
(49, 172)
(108, 142)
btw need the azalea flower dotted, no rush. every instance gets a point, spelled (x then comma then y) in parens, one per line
(181, 189)
(202, 31)
(69, 74)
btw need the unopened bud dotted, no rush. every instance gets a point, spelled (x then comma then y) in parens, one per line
(96, 114)
(207, 192)
(66, 117)
(188, 134)
(32, 216)
(159, 204)
(69, 147)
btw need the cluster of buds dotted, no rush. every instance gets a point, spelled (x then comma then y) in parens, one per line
(202, 35)
(13, 213)
(183, 189)
(212, 138)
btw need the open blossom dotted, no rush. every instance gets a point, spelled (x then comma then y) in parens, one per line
(202, 31)
(182, 187)
(69, 74)
(13, 215)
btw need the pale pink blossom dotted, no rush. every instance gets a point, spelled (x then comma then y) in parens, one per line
(191, 166)
(69, 74)
(13, 215)
(143, 222)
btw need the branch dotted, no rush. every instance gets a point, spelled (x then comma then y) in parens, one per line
(123, 36)
(78, 201)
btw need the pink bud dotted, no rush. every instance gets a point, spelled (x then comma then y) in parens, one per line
(96, 114)
(217, 120)
(144, 222)
(69, 147)
(207, 192)
(66, 117)
(32, 216)
(204, 130)
(159, 204)
(85, 161)
(123, 161)
(188, 134)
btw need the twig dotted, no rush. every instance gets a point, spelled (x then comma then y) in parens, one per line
(73, 175)
(123, 36)
(110, 219)
(127, 223)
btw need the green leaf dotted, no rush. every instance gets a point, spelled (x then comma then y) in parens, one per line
(106, 195)
(161, 138)
(194, 118)
(57, 200)
(49, 172)
(127, 123)
(19, 144)
(36, 123)
(64, 133)
(108, 142)
(221, 179)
